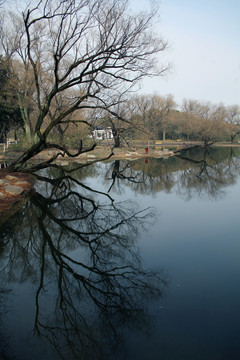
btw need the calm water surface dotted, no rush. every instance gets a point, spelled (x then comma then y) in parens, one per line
(153, 274)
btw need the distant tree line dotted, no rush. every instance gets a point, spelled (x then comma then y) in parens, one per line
(162, 118)
(152, 117)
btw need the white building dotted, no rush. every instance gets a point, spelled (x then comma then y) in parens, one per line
(101, 133)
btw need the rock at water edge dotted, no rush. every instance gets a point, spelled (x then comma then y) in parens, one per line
(13, 189)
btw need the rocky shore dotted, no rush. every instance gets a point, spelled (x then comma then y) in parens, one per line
(15, 189)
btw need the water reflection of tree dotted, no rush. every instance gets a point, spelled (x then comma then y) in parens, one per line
(117, 173)
(142, 177)
(209, 174)
(82, 254)
(198, 173)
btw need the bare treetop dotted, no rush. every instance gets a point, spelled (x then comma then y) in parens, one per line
(85, 55)
(95, 44)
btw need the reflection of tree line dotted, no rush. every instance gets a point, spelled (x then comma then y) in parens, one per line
(82, 254)
(193, 173)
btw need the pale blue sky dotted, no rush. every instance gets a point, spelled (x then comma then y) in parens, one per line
(204, 39)
(204, 48)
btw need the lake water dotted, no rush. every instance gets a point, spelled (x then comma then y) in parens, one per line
(153, 274)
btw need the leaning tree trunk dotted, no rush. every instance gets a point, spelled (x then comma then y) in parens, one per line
(116, 138)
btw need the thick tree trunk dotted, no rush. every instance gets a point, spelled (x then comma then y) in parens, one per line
(30, 153)
(27, 125)
(116, 138)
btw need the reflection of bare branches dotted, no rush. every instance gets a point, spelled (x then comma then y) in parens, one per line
(207, 175)
(141, 177)
(118, 173)
(84, 255)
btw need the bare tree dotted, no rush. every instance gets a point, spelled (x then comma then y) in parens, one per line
(210, 124)
(92, 47)
(188, 111)
(160, 109)
(142, 113)
(154, 111)
(203, 121)
(233, 121)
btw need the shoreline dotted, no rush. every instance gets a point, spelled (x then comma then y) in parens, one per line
(102, 152)
(11, 202)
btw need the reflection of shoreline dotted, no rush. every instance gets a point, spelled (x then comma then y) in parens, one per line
(197, 172)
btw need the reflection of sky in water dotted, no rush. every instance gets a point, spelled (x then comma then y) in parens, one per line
(197, 244)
